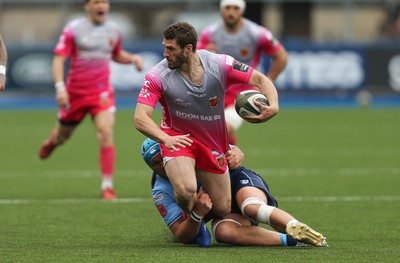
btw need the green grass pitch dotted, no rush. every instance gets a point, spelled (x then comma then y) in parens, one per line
(337, 170)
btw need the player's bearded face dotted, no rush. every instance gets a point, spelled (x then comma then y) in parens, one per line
(176, 59)
(231, 15)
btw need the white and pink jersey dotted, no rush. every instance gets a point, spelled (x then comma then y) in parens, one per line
(195, 109)
(247, 46)
(90, 48)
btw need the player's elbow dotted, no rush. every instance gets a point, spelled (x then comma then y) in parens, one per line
(139, 121)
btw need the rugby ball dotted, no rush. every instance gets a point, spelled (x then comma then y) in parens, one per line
(244, 103)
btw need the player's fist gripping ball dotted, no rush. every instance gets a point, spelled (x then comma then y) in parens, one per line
(244, 103)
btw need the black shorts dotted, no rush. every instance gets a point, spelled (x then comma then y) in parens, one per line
(243, 177)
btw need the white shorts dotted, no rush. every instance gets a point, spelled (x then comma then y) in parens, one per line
(232, 118)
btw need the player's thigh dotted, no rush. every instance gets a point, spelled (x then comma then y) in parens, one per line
(249, 191)
(104, 119)
(217, 186)
(181, 173)
(65, 130)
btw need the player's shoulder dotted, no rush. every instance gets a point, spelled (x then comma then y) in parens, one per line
(75, 23)
(258, 31)
(111, 24)
(253, 25)
(213, 28)
(209, 57)
(160, 71)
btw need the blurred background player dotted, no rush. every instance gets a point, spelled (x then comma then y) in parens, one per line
(90, 42)
(3, 64)
(252, 204)
(244, 40)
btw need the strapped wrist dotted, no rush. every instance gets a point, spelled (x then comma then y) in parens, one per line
(3, 69)
(195, 216)
(59, 86)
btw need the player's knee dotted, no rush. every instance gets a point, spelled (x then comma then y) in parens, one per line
(256, 209)
(185, 190)
(222, 208)
(60, 139)
(225, 232)
(105, 135)
(186, 194)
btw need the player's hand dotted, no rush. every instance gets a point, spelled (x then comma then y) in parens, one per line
(62, 98)
(138, 62)
(203, 204)
(176, 142)
(235, 157)
(2, 82)
(266, 113)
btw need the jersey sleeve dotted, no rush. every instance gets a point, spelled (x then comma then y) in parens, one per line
(268, 43)
(65, 44)
(237, 72)
(118, 46)
(165, 202)
(151, 90)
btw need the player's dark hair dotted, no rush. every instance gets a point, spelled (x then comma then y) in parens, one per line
(183, 32)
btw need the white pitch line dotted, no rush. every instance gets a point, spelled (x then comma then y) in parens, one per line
(262, 171)
(71, 201)
(149, 200)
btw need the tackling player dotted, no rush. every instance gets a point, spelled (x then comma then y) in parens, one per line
(90, 43)
(244, 40)
(253, 204)
(190, 86)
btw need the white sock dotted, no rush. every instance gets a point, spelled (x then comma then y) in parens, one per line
(107, 182)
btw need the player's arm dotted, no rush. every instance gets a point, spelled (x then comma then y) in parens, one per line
(125, 57)
(145, 124)
(279, 61)
(185, 230)
(3, 64)
(265, 85)
(58, 77)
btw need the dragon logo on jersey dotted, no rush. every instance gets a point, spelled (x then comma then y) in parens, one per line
(221, 160)
(214, 101)
(244, 52)
(104, 99)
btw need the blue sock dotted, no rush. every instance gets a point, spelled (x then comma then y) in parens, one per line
(287, 240)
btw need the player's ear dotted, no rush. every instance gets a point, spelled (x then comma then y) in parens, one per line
(189, 48)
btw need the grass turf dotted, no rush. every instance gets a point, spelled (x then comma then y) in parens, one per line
(336, 170)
